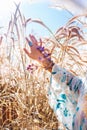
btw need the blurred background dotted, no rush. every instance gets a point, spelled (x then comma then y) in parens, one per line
(62, 26)
(53, 13)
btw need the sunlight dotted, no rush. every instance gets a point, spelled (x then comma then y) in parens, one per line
(37, 1)
(7, 5)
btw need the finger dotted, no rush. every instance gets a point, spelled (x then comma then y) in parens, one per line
(27, 39)
(33, 39)
(29, 42)
(27, 52)
(40, 41)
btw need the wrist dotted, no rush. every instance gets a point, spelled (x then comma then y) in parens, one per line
(45, 59)
(48, 64)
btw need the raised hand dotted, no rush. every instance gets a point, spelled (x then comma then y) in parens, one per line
(38, 52)
(34, 44)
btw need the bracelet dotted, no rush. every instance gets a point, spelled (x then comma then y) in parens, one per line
(49, 63)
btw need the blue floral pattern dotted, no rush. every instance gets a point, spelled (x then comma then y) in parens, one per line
(66, 95)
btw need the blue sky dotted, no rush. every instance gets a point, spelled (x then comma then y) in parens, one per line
(53, 18)
(41, 9)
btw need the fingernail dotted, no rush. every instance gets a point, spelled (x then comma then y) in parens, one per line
(30, 43)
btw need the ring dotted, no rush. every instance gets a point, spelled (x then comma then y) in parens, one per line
(40, 48)
(30, 43)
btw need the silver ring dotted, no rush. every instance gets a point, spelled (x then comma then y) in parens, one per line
(30, 43)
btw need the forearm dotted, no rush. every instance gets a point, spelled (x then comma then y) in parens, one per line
(48, 64)
(50, 67)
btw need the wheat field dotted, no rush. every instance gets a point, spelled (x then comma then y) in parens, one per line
(23, 93)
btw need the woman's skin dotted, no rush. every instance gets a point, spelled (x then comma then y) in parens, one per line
(36, 54)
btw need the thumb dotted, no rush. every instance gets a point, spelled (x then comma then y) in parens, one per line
(27, 52)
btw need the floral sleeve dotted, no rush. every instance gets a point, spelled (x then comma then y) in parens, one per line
(64, 97)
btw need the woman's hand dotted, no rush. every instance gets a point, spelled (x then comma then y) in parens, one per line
(39, 53)
(35, 53)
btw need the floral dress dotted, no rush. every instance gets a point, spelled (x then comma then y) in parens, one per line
(68, 98)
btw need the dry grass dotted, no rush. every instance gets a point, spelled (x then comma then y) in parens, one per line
(23, 94)
(85, 105)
